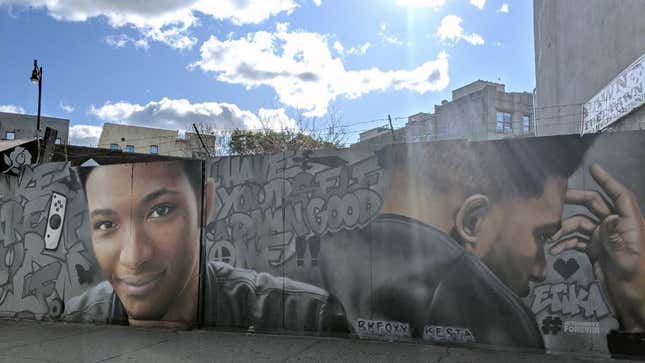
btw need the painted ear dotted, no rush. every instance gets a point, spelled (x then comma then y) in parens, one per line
(470, 218)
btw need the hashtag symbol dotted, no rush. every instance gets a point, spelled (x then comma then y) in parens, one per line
(551, 325)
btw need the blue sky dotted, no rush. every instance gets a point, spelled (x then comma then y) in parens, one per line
(256, 63)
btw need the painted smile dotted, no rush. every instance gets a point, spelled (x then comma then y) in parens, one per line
(139, 285)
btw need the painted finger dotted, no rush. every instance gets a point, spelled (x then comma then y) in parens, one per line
(582, 245)
(608, 183)
(595, 250)
(622, 196)
(608, 232)
(621, 253)
(579, 223)
(577, 243)
(593, 200)
(598, 272)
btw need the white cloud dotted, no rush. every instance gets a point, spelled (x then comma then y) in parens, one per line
(504, 8)
(359, 50)
(451, 31)
(301, 69)
(498, 44)
(478, 4)
(117, 41)
(166, 21)
(84, 135)
(66, 108)
(432, 4)
(121, 40)
(339, 47)
(180, 114)
(388, 38)
(318, 2)
(12, 109)
(276, 119)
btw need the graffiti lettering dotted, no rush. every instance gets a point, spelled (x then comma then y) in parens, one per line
(570, 300)
(382, 328)
(32, 276)
(448, 334)
(262, 201)
(581, 327)
(551, 325)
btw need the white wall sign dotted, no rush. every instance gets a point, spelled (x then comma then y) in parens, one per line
(621, 96)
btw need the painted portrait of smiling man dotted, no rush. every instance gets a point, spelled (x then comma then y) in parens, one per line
(146, 226)
(145, 231)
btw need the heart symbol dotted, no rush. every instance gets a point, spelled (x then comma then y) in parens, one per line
(566, 269)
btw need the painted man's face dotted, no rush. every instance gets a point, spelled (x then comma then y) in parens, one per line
(145, 233)
(516, 234)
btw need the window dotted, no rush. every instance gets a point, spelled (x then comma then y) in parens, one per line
(114, 146)
(154, 149)
(504, 123)
(10, 135)
(129, 148)
(58, 141)
(526, 124)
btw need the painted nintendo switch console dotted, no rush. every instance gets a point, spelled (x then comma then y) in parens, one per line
(55, 221)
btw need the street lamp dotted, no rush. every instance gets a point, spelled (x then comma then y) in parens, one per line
(37, 77)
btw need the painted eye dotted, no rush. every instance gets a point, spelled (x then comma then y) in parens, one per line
(104, 225)
(161, 211)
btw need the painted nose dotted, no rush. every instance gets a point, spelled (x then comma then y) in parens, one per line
(136, 248)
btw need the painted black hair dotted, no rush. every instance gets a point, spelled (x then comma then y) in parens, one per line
(501, 169)
(190, 168)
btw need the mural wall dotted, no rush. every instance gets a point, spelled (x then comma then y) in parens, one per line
(531, 243)
(44, 254)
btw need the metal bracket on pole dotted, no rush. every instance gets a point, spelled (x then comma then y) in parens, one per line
(49, 141)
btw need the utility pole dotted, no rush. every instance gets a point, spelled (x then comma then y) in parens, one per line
(201, 140)
(37, 77)
(391, 128)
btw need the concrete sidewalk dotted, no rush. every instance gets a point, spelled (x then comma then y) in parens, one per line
(30, 341)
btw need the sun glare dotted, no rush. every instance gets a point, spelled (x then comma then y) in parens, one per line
(421, 3)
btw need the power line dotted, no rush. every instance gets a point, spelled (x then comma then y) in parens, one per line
(295, 129)
(348, 129)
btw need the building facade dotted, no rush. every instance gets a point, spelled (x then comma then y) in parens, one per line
(147, 140)
(15, 126)
(580, 47)
(478, 111)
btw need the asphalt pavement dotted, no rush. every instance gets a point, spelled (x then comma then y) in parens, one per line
(33, 341)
